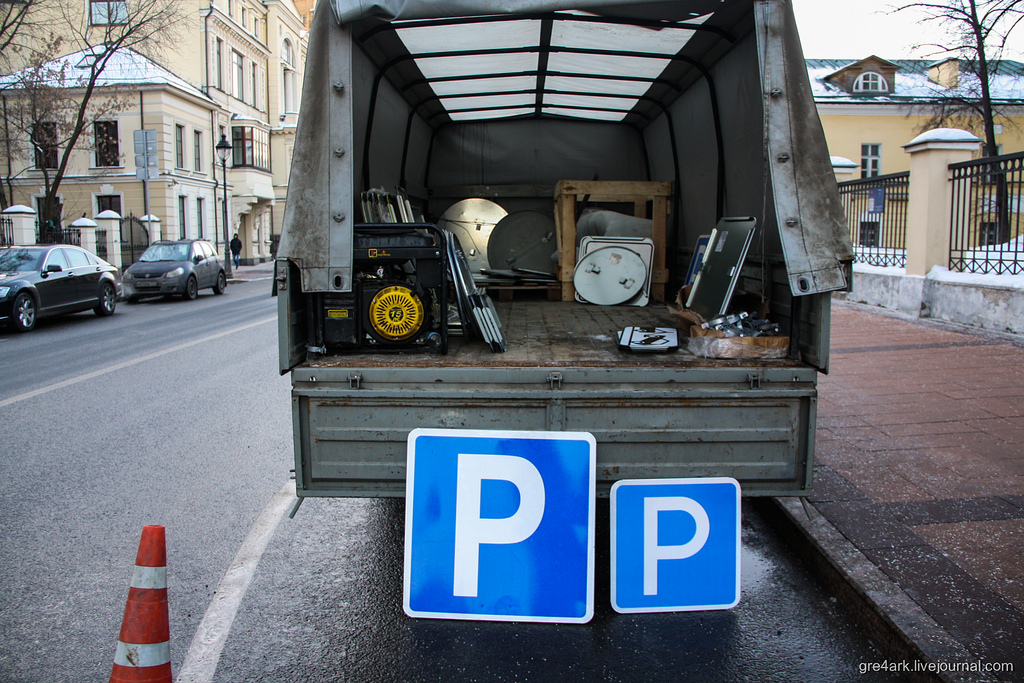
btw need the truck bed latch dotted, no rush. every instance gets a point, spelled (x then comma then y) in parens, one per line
(555, 380)
(354, 380)
(754, 378)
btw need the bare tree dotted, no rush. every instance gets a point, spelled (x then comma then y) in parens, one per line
(976, 33)
(51, 104)
(13, 16)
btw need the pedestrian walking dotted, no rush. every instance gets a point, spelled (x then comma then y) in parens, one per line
(236, 249)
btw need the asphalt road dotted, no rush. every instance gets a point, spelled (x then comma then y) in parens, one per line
(170, 412)
(173, 413)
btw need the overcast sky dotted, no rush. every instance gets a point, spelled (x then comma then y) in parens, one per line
(851, 29)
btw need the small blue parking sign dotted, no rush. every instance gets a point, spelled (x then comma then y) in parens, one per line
(675, 544)
(499, 525)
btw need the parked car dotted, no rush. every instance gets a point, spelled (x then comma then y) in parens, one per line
(182, 267)
(40, 281)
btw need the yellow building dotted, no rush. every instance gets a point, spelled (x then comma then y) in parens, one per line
(871, 108)
(234, 70)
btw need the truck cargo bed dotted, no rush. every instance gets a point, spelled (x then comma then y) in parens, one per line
(660, 415)
(553, 334)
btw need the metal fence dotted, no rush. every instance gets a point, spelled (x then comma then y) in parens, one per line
(50, 234)
(101, 243)
(985, 232)
(6, 231)
(134, 239)
(876, 211)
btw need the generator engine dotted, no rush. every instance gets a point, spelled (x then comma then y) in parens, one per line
(399, 292)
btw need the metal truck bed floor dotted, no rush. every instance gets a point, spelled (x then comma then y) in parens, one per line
(550, 334)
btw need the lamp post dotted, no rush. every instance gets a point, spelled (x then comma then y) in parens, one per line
(223, 152)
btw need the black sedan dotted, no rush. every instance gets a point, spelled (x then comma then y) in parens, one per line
(41, 281)
(183, 267)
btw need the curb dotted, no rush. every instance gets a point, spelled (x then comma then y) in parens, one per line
(900, 629)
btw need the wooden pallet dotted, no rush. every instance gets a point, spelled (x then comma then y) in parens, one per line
(638, 193)
(552, 292)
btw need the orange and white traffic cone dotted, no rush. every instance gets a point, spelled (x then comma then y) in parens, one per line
(144, 646)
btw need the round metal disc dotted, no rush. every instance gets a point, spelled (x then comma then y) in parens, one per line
(610, 276)
(524, 239)
(472, 221)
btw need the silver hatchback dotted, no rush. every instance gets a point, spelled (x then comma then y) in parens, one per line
(175, 268)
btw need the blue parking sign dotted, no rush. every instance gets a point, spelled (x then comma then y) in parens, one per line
(675, 544)
(499, 525)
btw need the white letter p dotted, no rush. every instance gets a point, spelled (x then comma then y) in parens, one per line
(471, 530)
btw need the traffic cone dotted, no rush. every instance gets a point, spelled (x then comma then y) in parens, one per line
(143, 648)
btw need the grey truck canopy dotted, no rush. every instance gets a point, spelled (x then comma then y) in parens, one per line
(442, 96)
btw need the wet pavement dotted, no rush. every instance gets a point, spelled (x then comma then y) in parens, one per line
(326, 605)
(916, 520)
(917, 512)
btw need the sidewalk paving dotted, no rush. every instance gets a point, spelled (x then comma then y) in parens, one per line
(259, 271)
(918, 500)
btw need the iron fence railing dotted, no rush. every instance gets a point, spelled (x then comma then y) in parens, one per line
(51, 234)
(876, 211)
(6, 231)
(985, 232)
(101, 243)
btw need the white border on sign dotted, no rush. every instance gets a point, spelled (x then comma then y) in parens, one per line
(499, 434)
(614, 557)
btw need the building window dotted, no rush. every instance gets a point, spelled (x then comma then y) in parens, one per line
(197, 149)
(200, 212)
(108, 152)
(108, 12)
(288, 77)
(253, 74)
(44, 141)
(870, 234)
(182, 216)
(238, 68)
(870, 82)
(250, 147)
(179, 146)
(108, 202)
(219, 58)
(870, 160)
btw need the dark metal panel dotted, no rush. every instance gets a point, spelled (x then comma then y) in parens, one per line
(356, 438)
(316, 232)
(810, 215)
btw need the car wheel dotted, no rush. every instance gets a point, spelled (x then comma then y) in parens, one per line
(107, 301)
(24, 312)
(222, 283)
(191, 288)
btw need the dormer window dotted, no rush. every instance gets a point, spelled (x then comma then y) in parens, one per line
(870, 82)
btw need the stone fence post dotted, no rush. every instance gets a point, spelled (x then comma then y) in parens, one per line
(23, 221)
(930, 199)
(87, 231)
(110, 222)
(152, 224)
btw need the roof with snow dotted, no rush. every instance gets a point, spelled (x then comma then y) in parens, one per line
(912, 82)
(126, 67)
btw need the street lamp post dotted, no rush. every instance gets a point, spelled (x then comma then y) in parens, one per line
(223, 152)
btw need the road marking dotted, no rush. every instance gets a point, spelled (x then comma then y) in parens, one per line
(127, 363)
(204, 653)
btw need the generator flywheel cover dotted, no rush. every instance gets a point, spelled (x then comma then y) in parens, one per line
(396, 313)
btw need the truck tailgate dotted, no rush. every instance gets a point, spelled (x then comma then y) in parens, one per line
(652, 414)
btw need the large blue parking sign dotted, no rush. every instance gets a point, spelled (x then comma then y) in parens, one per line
(675, 544)
(499, 525)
